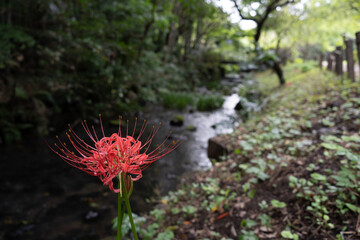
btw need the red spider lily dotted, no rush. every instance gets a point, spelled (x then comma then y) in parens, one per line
(111, 156)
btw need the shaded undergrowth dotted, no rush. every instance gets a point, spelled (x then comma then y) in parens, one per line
(182, 100)
(293, 171)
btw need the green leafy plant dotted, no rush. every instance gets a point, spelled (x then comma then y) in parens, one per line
(208, 103)
(126, 227)
(289, 235)
(277, 204)
(248, 235)
(178, 100)
(190, 210)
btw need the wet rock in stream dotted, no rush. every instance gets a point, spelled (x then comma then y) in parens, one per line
(191, 128)
(177, 121)
(217, 147)
(239, 106)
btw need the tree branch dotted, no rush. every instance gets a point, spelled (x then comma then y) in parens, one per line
(241, 13)
(286, 3)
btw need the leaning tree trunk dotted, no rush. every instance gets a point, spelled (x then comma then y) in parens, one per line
(278, 70)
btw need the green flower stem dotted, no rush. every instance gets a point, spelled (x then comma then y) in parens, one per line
(127, 203)
(120, 214)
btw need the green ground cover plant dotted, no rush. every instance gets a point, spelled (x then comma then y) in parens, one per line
(292, 171)
(183, 100)
(178, 100)
(210, 102)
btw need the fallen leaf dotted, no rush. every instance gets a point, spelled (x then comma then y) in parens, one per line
(242, 214)
(266, 229)
(222, 216)
(233, 231)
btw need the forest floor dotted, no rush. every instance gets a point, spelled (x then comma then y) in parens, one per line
(293, 171)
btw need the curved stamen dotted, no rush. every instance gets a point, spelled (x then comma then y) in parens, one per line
(111, 155)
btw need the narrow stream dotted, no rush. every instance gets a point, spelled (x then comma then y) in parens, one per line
(45, 198)
(191, 155)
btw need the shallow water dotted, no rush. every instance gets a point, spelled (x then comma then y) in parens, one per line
(191, 155)
(45, 198)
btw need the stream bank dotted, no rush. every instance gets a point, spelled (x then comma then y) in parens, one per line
(44, 198)
(292, 171)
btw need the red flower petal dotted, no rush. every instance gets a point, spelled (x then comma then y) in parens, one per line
(112, 155)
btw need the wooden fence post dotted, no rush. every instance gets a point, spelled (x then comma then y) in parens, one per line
(333, 54)
(330, 61)
(358, 47)
(350, 59)
(338, 61)
(321, 59)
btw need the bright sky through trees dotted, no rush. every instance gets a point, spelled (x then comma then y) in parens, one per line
(228, 7)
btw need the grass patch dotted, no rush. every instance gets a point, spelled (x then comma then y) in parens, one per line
(213, 84)
(180, 101)
(303, 66)
(208, 103)
(308, 86)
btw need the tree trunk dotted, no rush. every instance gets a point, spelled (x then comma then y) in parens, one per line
(278, 45)
(330, 60)
(198, 33)
(259, 26)
(350, 59)
(146, 29)
(278, 70)
(187, 38)
(338, 61)
(358, 47)
(173, 33)
(321, 59)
